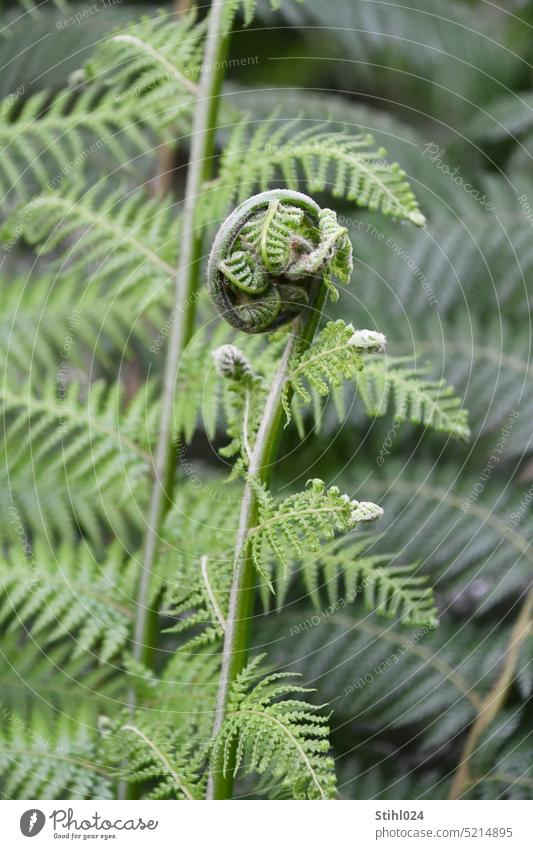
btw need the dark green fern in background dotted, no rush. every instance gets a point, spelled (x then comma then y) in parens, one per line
(417, 633)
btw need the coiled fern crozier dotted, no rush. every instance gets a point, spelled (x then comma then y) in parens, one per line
(265, 257)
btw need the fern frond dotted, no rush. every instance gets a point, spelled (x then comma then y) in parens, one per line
(49, 740)
(302, 522)
(169, 759)
(63, 443)
(196, 560)
(276, 733)
(248, 8)
(488, 361)
(56, 757)
(53, 679)
(67, 594)
(480, 260)
(202, 397)
(158, 59)
(164, 744)
(203, 519)
(404, 143)
(41, 315)
(51, 139)
(188, 686)
(336, 355)
(144, 87)
(385, 678)
(349, 568)
(201, 604)
(339, 162)
(198, 387)
(428, 402)
(472, 536)
(244, 396)
(105, 235)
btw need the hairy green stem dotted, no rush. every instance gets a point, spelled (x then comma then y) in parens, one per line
(242, 593)
(183, 314)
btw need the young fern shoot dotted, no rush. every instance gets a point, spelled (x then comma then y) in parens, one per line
(272, 263)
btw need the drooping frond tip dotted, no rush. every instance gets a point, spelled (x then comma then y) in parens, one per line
(326, 159)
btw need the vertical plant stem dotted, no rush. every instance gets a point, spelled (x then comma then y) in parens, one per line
(242, 593)
(183, 314)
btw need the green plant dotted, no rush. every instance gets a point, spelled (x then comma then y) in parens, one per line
(142, 579)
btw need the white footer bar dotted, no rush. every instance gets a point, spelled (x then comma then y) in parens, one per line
(251, 825)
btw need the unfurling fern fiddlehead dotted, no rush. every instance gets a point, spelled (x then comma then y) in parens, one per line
(267, 255)
(272, 262)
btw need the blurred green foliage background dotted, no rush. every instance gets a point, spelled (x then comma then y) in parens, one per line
(446, 87)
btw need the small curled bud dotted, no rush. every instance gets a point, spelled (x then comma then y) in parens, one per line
(268, 253)
(230, 362)
(368, 341)
(365, 511)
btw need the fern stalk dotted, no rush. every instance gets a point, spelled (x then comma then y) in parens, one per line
(186, 287)
(242, 593)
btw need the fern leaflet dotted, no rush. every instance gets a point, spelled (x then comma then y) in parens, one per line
(302, 522)
(428, 402)
(109, 236)
(285, 737)
(339, 161)
(391, 590)
(336, 355)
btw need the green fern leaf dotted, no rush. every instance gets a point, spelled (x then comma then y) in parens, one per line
(105, 235)
(428, 402)
(68, 594)
(335, 356)
(196, 561)
(249, 8)
(54, 757)
(69, 456)
(339, 161)
(276, 734)
(139, 83)
(42, 317)
(160, 56)
(301, 522)
(348, 569)
(157, 754)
